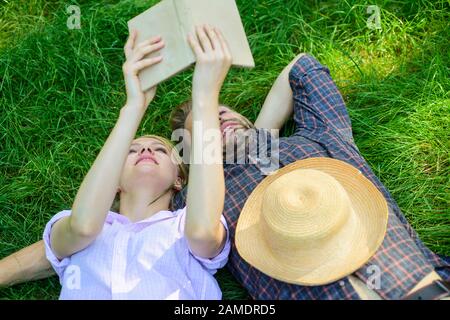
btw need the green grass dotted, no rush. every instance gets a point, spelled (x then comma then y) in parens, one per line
(61, 91)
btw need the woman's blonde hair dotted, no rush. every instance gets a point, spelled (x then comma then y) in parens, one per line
(182, 168)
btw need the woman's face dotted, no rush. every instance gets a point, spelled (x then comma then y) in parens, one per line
(148, 164)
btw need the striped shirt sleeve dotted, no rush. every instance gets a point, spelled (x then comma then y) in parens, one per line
(58, 265)
(219, 261)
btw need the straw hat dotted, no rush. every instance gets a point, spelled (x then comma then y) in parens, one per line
(313, 222)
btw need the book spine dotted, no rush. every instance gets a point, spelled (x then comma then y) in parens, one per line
(183, 16)
(185, 24)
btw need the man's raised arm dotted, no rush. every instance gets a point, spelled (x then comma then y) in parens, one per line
(27, 264)
(278, 105)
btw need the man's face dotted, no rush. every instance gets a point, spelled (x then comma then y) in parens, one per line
(231, 123)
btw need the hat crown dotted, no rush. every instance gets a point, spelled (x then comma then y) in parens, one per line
(272, 232)
(302, 209)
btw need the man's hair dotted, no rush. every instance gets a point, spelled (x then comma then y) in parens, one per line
(181, 112)
(179, 115)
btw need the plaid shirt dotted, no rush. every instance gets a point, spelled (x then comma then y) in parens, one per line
(323, 129)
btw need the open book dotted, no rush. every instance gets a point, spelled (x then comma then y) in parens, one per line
(173, 20)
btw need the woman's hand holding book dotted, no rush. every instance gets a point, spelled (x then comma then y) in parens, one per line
(135, 62)
(213, 61)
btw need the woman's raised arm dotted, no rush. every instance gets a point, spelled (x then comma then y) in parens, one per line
(205, 233)
(98, 189)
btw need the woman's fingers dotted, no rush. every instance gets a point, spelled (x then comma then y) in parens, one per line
(209, 41)
(134, 67)
(129, 45)
(146, 49)
(148, 42)
(223, 43)
(146, 62)
(135, 62)
(195, 46)
(213, 38)
(135, 52)
(204, 39)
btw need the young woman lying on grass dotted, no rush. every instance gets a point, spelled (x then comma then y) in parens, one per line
(148, 251)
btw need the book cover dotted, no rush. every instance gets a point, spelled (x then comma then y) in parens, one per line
(173, 20)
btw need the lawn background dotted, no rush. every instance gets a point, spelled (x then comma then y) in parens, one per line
(61, 91)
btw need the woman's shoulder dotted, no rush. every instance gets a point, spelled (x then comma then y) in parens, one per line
(59, 215)
(179, 211)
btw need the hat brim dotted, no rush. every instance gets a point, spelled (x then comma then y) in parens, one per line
(353, 246)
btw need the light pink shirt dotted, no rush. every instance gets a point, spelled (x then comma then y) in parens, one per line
(149, 259)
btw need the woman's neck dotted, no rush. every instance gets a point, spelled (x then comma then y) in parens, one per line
(140, 205)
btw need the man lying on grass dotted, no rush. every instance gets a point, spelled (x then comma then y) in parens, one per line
(323, 129)
(304, 89)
